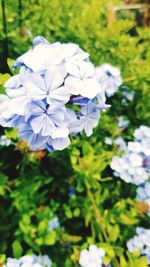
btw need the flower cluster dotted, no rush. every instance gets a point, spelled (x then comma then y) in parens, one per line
(134, 165)
(109, 77)
(140, 242)
(92, 257)
(143, 194)
(56, 93)
(29, 261)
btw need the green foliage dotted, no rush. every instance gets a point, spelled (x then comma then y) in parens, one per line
(76, 185)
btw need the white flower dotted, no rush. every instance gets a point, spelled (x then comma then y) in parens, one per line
(29, 261)
(42, 57)
(44, 260)
(12, 263)
(92, 257)
(142, 132)
(81, 80)
(73, 55)
(5, 112)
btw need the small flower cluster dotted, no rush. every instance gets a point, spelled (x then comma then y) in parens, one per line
(109, 77)
(143, 194)
(29, 261)
(56, 93)
(134, 165)
(92, 257)
(140, 242)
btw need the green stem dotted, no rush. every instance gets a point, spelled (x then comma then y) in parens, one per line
(99, 218)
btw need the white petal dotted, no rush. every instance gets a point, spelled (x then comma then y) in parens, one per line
(37, 123)
(18, 105)
(53, 80)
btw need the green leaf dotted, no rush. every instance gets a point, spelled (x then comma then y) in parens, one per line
(50, 238)
(17, 249)
(3, 179)
(2, 258)
(142, 262)
(113, 231)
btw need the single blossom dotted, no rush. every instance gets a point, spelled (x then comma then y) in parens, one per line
(50, 87)
(47, 119)
(81, 80)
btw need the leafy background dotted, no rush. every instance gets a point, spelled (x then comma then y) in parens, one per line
(77, 184)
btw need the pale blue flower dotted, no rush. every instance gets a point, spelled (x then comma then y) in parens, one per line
(5, 113)
(35, 141)
(92, 257)
(40, 100)
(143, 132)
(86, 120)
(90, 115)
(140, 242)
(50, 87)
(109, 78)
(44, 260)
(121, 144)
(40, 39)
(47, 119)
(81, 80)
(17, 93)
(133, 165)
(57, 143)
(29, 261)
(42, 57)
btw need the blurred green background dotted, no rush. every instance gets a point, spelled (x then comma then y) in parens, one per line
(34, 185)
